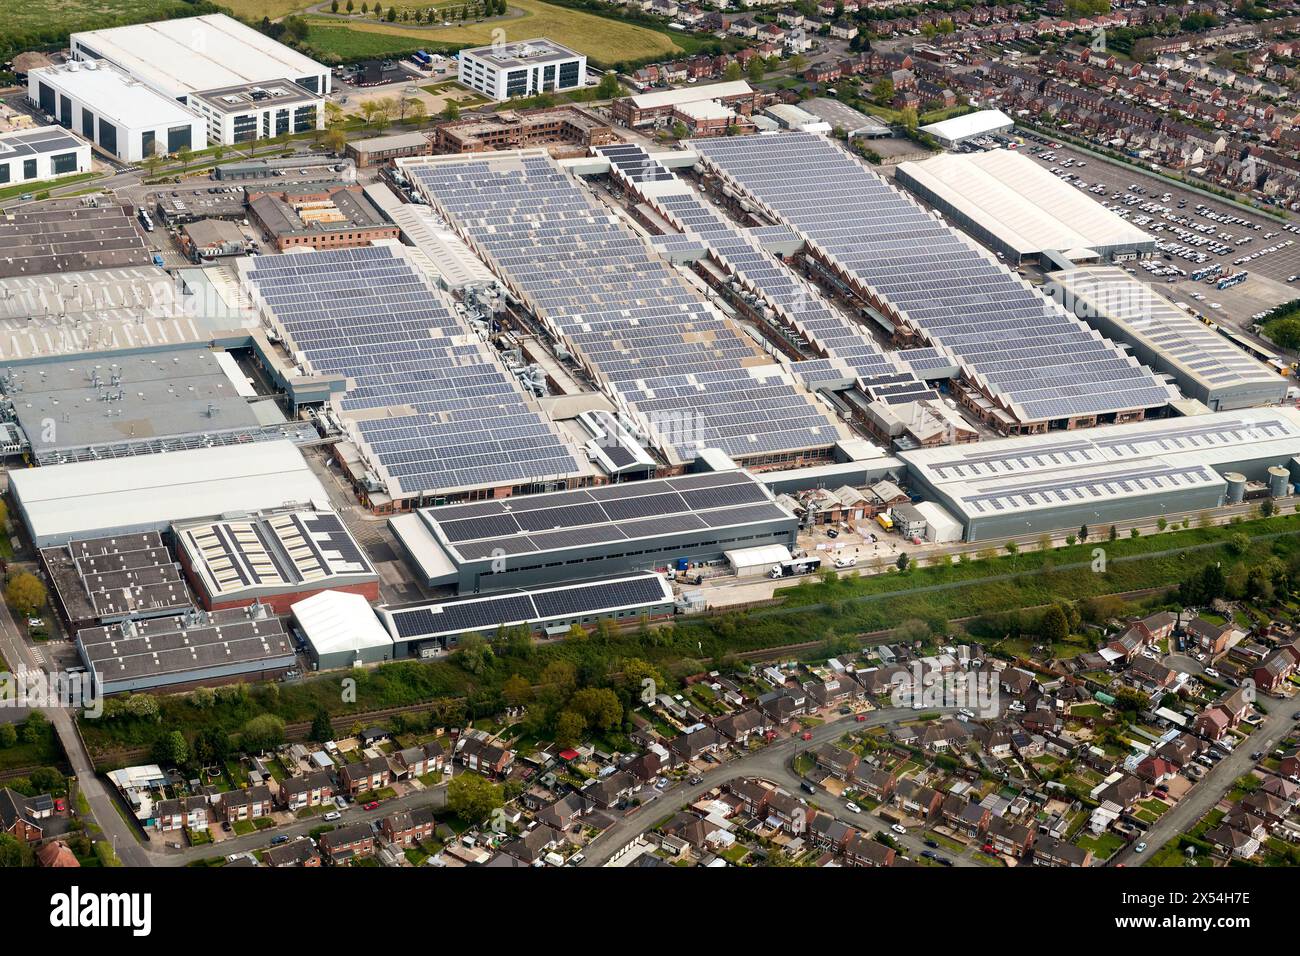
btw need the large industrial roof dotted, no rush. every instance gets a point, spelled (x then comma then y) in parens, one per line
(969, 124)
(1030, 355)
(36, 240)
(128, 403)
(428, 400)
(197, 53)
(1188, 345)
(108, 92)
(1113, 462)
(691, 377)
(149, 492)
(740, 251)
(564, 520)
(486, 613)
(284, 550)
(1020, 202)
(167, 648)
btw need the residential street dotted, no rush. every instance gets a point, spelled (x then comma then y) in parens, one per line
(770, 763)
(1210, 790)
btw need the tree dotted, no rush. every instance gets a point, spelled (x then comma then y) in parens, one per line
(336, 141)
(797, 63)
(882, 91)
(415, 110)
(172, 749)
(1054, 627)
(25, 593)
(321, 728)
(392, 14)
(911, 631)
(598, 706)
(349, 6)
(473, 797)
(756, 69)
(902, 561)
(14, 853)
(569, 728)
(1284, 332)
(732, 72)
(1083, 532)
(334, 6)
(608, 87)
(450, 111)
(264, 732)
(516, 691)
(1267, 507)
(35, 728)
(8, 736)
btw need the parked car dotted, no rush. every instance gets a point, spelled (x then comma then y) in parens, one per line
(372, 805)
(1140, 848)
(282, 838)
(853, 807)
(899, 828)
(332, 816)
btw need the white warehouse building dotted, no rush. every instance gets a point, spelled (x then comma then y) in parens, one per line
(522, 69)
(246, 85)
(121, 116)
(36, 155)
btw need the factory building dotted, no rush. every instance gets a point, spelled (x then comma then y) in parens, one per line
(277, 559)
(426, 630)
(1205, 365)
(186, 650)
(1016, 487)
(527, 68)
(1020, 210)
(569, 535)
(106, 580)
(58, 503)
(36, 155)
(245, 85)
(80, 409)
(121, 116)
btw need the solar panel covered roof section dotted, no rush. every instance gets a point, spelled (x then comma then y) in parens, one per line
(642, 330)
(1027, 353)
(528, 605)
(798, 304)
(455, 419)
(563, 520)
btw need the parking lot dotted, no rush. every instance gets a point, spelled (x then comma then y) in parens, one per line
(1194, 233)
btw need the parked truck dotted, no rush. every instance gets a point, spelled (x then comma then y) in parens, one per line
(795, 567)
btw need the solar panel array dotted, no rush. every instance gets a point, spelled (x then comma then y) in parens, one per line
(623, 311)
(458, 421)
(527, 605)
(1030, 354)
(800, 307)
(613, 513)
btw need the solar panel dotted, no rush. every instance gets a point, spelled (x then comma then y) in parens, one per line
(1028, 353)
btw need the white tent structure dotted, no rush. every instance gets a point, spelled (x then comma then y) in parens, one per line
(341, 630)
(746, 561)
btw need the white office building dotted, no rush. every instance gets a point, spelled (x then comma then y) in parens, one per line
(527, 68)
(244, 84)
(36, 155)
(120, 115)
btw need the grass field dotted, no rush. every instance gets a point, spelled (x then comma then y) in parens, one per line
(254, 10)
(35, 25)
(604, 40)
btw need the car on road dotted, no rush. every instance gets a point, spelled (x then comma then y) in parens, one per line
(372, 805)
(943, 861)
(808, 787)
(806, 735)
(1257, 755)
(932, 844)
(1211, 672)
(694, 779)
(331, 816)
(853, 807)
(861, 718)
(899, 828)
(929, 854)
(281, 839)
(1140, 848)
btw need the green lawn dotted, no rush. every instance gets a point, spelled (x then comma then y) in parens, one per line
(27, 25)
